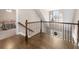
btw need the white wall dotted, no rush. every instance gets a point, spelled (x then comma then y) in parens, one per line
(44, 16)
(31, 16)
(68, 15)
(27, 14)
(76, 18)
(7, 16)
(76, 15)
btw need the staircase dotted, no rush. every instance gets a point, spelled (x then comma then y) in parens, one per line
(41, 40)
(45, 40)
(38, 41)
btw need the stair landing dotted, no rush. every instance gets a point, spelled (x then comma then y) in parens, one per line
(38, 41)
(46, 41)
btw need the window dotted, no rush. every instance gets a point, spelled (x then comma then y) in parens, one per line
(55, 15)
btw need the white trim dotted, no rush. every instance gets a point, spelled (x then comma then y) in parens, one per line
(17, 21)
(22, 34)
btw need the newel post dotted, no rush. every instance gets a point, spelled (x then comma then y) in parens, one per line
(26, 36)
(40, 26)
(78, 35)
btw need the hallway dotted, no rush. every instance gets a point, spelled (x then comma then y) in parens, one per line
(43, 41)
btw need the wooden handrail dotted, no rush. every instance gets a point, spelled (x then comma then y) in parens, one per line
(33, 22)
(25, 26)
(60, 22)
(53, 22)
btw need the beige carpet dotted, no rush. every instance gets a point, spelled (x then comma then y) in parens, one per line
(7, 33)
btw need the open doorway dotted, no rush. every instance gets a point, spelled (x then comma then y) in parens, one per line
(7, 23)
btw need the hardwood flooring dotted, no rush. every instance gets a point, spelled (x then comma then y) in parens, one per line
(38, 41)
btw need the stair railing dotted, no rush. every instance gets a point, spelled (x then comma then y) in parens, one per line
(66, 29)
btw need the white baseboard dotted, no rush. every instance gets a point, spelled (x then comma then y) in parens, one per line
(22, 34)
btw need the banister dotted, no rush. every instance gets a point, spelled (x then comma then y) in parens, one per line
(25, 26)
(33, 22)
(41, 22)
(53, 22)
(60, 22)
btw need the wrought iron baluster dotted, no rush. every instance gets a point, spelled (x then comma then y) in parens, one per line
(71, 34)
(68, 32)
(29, 30)
(63, 31)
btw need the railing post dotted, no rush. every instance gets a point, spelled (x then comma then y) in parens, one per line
(26, 36)
(78, 34)
(40, 26)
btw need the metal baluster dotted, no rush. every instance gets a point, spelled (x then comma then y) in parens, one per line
(68, 33)
(58, 29)
(39, 26)
(29, 30)
(71, 34)
(63, 31)
(42, 27)
(33, 25)
(36, 26)
(54, 30)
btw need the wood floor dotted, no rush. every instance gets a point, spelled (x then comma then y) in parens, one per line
(39, 41)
